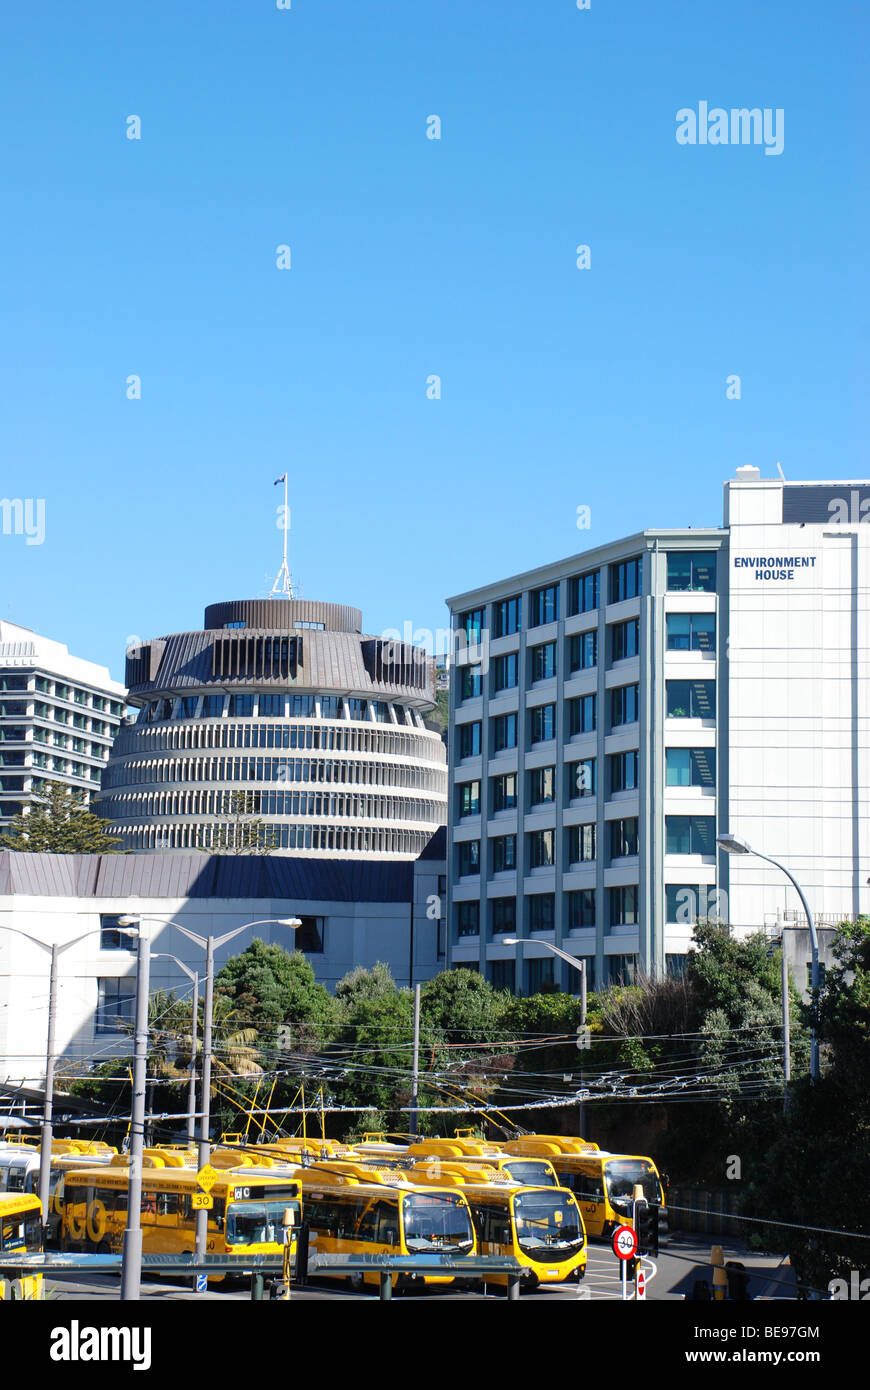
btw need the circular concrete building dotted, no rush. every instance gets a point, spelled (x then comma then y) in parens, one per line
(283, 710)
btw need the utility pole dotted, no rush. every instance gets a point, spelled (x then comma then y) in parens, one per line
(131, 1250)
(412, 1122)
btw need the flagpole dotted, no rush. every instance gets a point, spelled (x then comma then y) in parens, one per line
(282, 586)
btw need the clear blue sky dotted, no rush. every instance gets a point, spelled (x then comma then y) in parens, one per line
(410, 257)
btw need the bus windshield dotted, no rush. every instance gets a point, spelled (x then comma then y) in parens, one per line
(256, 1223)
(547, 1221)
(622, 1174)
(532, 1173)
(441, 1223)
(22, 1232)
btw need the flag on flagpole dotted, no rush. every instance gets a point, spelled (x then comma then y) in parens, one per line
(282, 479)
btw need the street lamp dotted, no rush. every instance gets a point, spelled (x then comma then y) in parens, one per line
(733, 844)
(191, 1097)
(209, 944)
(55, 950)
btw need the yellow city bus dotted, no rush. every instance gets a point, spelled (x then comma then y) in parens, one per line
(602, 1182)
(529, 1172)
(379, 1213)
(247, 1215)
(20, 1234)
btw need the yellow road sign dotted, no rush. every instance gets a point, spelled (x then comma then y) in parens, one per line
(207, 1177)
(202, 1201)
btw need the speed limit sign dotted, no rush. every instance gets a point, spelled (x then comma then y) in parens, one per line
(624, 1243)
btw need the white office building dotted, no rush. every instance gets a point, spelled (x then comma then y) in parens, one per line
(614, 712)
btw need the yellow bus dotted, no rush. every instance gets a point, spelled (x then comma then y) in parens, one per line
(20, 1234)
(604, 1183)
(246, 1218)
(379, 1213)
(528, 1171)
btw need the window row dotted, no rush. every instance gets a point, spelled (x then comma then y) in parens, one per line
(332, 839)
(219, 802)
(500, 916)
(20, 682)
(331, 737)
(278, 705)
(228, 769)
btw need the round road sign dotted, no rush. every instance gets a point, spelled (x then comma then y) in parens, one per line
(624, 1242)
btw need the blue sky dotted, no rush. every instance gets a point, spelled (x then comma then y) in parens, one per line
(410, 257)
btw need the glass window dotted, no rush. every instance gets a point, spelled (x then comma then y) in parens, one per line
(469, 739)
(272, 706)
(544, 605)
(581, 843)
(583, 714)
(691, 699)
(110, 934)
(685, 903)
(623, 837)
(309, 937)
(356, 709)
(690, 767)
(330, 705)
(304, 705)
(542, 907)
(542, 785)
(8, 682)
(675, 966)
(626, 580)
(472, 623)
(623, 771)
(692, 570)
(504, 792)
(507, 613)
(622, 970)
(241, 706)
(542, 851)
(544, 662)
(504, 853)
(695, 632)
(469, 682)
(624, 702)
(116, 1001)
(583, 651)
(505, 671)
(624, 639)
(542, 723)
(469, 799)
(504, 916)
(581, 908)
(690, 835)
(212, 706)
(502, 974)
(581, 778)
(541, 973)
(504, 732)
(468, 857)
(381, 712)
(468, 919)
(583, 590)
(623, 905)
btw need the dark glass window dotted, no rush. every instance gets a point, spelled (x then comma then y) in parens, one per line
(304, 705)
(504, 732)
(624, 702)
(505, 671)
(468, 857)
(691, 699)
(469, 799)
(116, 1000)
(544, 605)
(542, 848)
(623, 905)
(542, 785)
(467, 919)
(581, 908)
(626, 580)
(541, 974)
(504, 792)
(542, 723)
(690, 767)
(622, 970)
(273, 705)
(471, 623)
(504, 916)
(583, 651)
(685, 903)
(212, 706)
(583, 714)
(690, 835)
(110, 934)
(623, 837)
(507, 614)
(242, 706)
(469, 682)
(309, 937)
(582, 778)
(583, 593)
(8, 682)
(623, 771)
(502, 974)
(542, 908)
(330, 705)
(504, 853)
(581, 843)
(675, 966)
(624, 639)
(469, 739)
(544, 661)
(691, 632)
(692, 570)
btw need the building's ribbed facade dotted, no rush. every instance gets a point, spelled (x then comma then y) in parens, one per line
(288, 702)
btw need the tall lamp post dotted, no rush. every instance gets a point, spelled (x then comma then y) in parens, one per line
(733, 844)
(579, 963)
(209, 944)
(55, 950)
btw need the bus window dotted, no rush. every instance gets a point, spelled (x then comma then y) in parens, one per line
(621, 1176)
(532, 1172)
(380, 1222)
(441, 1222)
(22, 1232)
(256, 1223)
(15, 1179)
(546, 1220)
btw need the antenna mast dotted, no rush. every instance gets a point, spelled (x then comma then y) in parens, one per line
(282, 588)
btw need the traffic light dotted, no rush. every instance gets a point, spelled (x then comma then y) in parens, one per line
(646, 1227)
(738, 1282)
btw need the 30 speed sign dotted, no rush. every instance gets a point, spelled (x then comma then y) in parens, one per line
(624, 1243)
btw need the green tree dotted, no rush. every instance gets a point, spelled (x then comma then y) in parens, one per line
(268, 986)
(360, 983)
(58, 822)
(240, 832)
